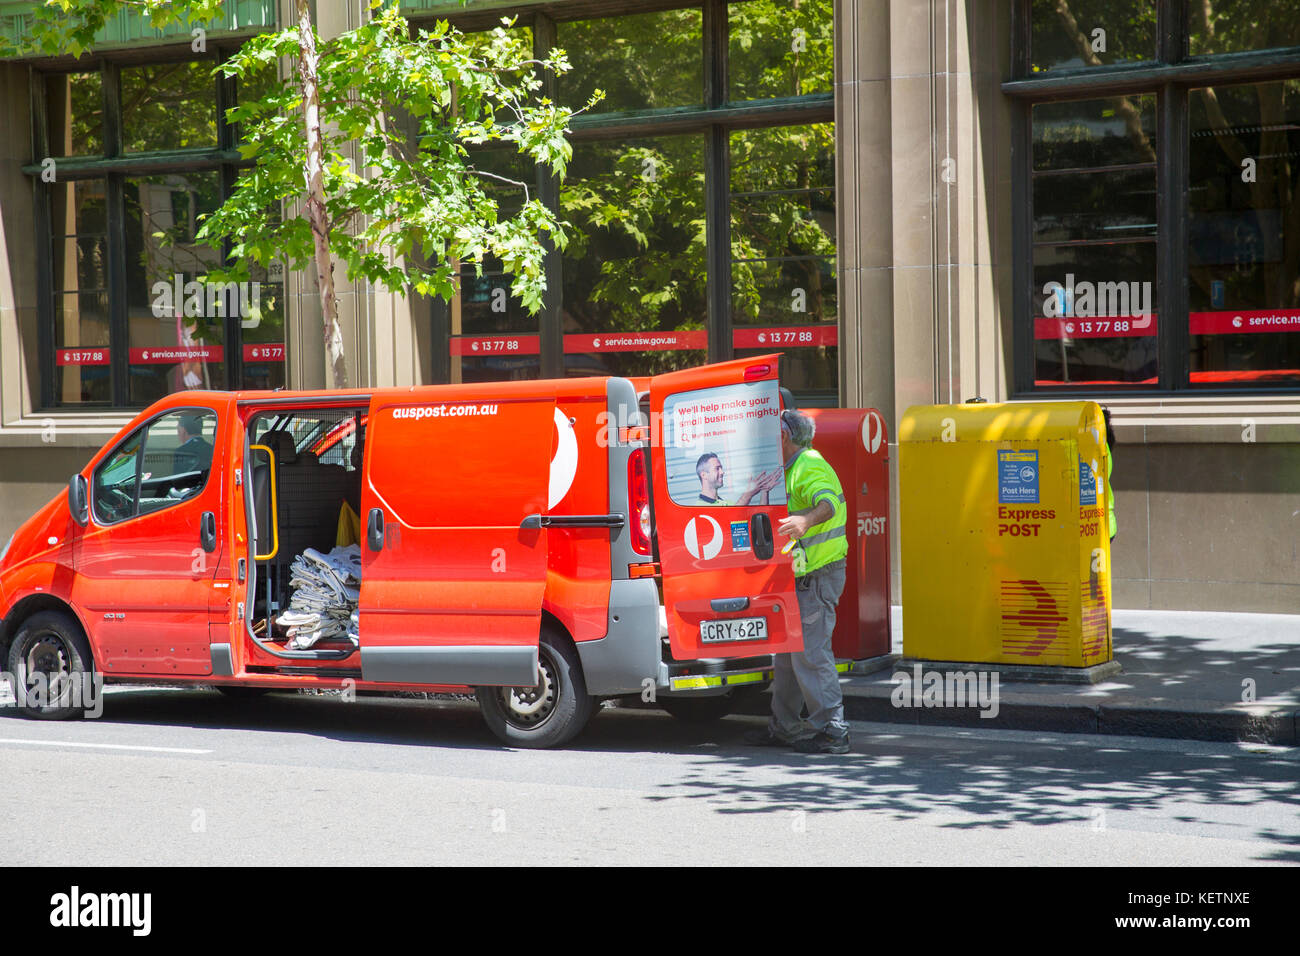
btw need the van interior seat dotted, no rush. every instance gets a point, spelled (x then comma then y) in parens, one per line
(308, 501)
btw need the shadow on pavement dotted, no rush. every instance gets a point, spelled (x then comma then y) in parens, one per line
(999, 783)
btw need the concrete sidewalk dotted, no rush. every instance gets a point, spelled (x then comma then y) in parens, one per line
(1185, 675)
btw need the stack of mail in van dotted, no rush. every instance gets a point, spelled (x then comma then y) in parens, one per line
(326, 590)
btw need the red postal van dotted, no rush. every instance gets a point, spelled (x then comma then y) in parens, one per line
(547, 543)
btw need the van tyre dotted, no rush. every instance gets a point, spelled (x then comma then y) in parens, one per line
(51, 643)
(550, 714)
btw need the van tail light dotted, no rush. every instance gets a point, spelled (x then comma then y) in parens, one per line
(755, 372)
(638, 499)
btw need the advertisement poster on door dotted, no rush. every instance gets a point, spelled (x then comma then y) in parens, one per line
(723, 446)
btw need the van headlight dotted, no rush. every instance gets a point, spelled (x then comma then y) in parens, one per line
(5, 550)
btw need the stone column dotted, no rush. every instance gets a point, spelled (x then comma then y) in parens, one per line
(19, 361)
(864, 214)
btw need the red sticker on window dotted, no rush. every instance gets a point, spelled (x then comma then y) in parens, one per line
(1103, 327)
(81, 357)
(180, 353)
(637, 341)
(1237, 323)
(264, 352)
(496, 345)
(786, 336)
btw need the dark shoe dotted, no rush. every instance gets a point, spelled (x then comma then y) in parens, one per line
(764, 738)
(823, 742)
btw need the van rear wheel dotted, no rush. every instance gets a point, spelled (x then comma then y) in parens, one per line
(549, 714)
(51, 665)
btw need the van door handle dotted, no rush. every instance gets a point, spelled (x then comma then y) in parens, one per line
(375, 529)
(729, 605)
(760, 536)
(573, 521)
(208, 531)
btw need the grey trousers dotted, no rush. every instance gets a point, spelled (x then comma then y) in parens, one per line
(810, 677)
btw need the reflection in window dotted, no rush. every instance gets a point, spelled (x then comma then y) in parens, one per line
(1094, 267)
(81, 322)
(644, 61)
(168, 106)
(494, 338)
(1244, 232)
(1076, 34)
(783, 251)
(114, 486)
(74, 109)
(635, 262)
(1234, 26)
(177, 324)
(261, 323)
(781, 48)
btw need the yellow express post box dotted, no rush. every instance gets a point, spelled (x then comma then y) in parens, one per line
(1004, 537)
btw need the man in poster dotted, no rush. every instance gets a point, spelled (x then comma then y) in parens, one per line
(817, 526)
(712, 476)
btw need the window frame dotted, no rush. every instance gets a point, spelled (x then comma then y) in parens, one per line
(115, 167)
(142, 430)
(1170, 76)
(716, 118)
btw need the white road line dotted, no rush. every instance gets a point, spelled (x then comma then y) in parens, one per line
(73, 743)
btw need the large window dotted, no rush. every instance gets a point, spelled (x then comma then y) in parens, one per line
(700, 200)
(634, 273)
(1243, 262)
(1094, 198)
(783, 252)
(132, 160)
(1157, 200)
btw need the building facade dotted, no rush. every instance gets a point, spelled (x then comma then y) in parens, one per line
(914, 201)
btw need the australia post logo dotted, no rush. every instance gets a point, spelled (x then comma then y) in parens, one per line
(703, 537)
(873, 431)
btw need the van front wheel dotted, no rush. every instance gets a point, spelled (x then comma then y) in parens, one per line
(51, 666)
(549, 714)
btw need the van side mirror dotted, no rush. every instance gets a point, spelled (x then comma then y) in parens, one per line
(77, 500)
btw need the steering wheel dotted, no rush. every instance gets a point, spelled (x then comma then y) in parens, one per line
(114, 501)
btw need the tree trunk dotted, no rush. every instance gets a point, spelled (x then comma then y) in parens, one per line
(316, 214)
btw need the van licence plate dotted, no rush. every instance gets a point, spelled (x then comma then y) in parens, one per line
(734, 629)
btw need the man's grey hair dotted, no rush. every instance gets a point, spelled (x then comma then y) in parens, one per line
(799, 427)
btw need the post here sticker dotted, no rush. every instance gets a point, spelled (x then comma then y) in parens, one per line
(1017, 477)
(1087, 484)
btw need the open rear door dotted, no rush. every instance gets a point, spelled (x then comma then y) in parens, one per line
(451, 585)
(719, 495)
